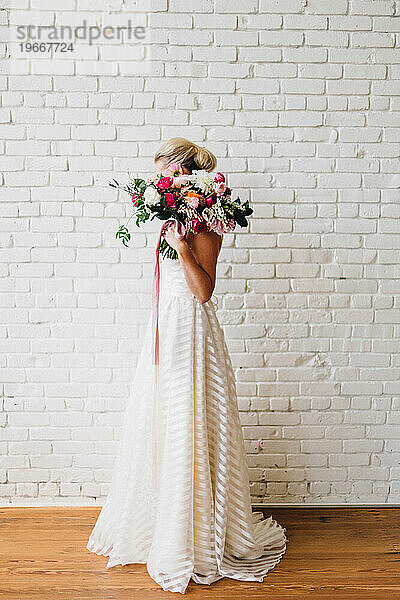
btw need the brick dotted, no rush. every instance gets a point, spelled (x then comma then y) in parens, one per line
(299, 102)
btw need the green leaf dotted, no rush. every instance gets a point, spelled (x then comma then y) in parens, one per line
(166, 251)
(124, 235)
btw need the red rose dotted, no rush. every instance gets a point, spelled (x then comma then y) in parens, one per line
(198, 226)
(219, 178)
(228, 191)
(170, 199)
(164, 183)
(210, 200)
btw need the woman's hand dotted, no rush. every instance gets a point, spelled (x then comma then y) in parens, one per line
(173, 241)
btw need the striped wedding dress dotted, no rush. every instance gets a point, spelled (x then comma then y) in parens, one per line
(179, 500)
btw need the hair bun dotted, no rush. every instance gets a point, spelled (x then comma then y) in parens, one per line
(189, 155)
(205, 159)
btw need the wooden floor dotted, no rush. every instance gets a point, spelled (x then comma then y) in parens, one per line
(338, 553)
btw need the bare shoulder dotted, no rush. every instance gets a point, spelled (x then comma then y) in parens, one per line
(206, 241)
(205, 247)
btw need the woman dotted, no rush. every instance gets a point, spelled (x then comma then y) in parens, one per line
(179, 499)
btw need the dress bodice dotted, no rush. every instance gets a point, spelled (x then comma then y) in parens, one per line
(172, 279)
(173, 283)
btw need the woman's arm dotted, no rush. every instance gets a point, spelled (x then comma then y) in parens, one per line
(198, 260)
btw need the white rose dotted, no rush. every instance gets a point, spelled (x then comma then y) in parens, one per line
(203, 180)
(151, 196)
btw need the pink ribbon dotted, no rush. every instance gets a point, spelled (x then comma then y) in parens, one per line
(179, 231)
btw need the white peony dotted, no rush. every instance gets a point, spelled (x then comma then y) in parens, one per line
(203, 180)
(151, 196)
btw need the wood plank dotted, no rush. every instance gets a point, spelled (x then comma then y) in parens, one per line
(341, 553)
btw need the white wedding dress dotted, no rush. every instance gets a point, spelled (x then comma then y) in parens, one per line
(179, 499)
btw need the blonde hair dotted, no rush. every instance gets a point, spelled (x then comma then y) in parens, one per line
(189, 155)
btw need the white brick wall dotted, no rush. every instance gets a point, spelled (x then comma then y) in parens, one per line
(299, 100)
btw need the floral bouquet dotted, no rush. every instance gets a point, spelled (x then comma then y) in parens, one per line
(199, 202)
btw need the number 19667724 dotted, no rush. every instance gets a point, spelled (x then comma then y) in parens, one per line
(46, 47)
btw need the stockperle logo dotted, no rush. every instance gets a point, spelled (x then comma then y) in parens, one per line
(44, 38)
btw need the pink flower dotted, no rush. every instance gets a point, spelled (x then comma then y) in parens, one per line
(220, 188)
(210, 200)
(170, 199)
(198, 226)
(173, 170)
(219, 178)
(164, 183)
(135, 199)
(230, 225)
(217, 226)
(192, 201)
(177, 182)
(220, 227)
